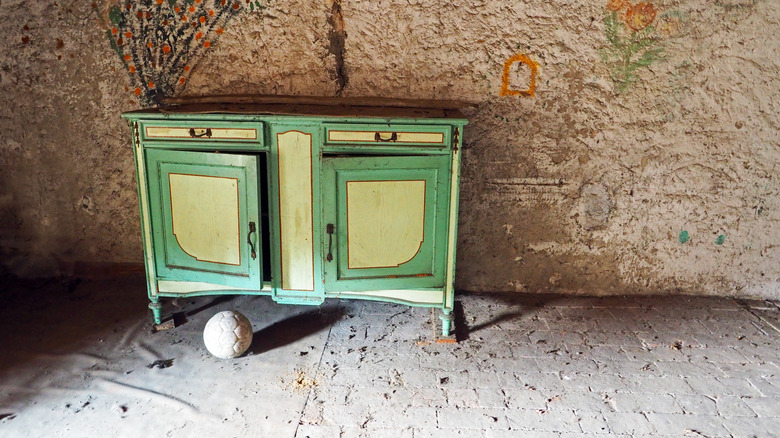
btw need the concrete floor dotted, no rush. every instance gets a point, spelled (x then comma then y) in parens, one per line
(76, 362)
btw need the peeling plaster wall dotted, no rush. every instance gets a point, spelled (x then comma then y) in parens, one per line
(654, 172)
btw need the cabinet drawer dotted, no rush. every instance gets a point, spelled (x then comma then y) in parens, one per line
(388, 135)
(201, 131)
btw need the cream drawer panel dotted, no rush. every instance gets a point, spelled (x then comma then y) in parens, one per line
(202, 131)
(388, 135)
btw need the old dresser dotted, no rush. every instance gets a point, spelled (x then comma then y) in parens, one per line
(301, 199)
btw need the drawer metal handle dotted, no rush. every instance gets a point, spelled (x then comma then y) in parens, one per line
(330, 230)
(249, 240)
(393, 137)
(206, 133)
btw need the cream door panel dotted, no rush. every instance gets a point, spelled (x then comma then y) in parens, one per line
(204, 216)
(385, 222)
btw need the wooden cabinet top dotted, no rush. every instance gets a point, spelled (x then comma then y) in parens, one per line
(315, 106)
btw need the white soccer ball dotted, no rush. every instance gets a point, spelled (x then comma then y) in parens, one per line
(228, 334)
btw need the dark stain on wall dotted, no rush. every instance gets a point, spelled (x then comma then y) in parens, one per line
(338, 38)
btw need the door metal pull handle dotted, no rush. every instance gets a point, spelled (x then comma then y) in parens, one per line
(393, 137)
(206, 133)
(330, 230)
(249, 240)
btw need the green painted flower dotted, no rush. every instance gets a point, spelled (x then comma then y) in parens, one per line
(633, 43)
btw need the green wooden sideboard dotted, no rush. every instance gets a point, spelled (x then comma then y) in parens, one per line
(301, 199)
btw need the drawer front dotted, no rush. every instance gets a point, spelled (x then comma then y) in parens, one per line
(388, 135)
(206, 131)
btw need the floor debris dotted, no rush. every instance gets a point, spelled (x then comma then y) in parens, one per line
(161, 363)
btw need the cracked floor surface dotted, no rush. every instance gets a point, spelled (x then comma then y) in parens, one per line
(76, 362)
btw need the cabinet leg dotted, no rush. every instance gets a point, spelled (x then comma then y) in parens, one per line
(156, 308)
(447, 320)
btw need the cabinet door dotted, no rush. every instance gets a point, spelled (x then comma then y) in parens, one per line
(385, 222)
(204, 214)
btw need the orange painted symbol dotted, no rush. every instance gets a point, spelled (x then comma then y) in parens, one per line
(505, 91)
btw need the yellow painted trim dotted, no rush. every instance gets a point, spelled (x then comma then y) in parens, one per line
(449, 295)
(370, 137)
(143, 195)
(216, 133)
(296, 215)
(384, 214)
(169, 286)
(433, 297)
(201, 220)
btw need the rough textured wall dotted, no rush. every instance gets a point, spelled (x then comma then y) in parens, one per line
(617, 146)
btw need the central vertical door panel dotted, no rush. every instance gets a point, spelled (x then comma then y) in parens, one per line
(208, 223)
(293, 171)
(296, 215)
(389, 222)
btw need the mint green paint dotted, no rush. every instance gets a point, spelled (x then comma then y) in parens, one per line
(427, 267)
(280, 295)
(720, 239)
(452, 232)
(684, 237)
(156, 307)
(447, 319)
(157, 157)
(138, 160)
(172, 262)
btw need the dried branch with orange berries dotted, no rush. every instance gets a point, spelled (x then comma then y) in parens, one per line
(159, 41)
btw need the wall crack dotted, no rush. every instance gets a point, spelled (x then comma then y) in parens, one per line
(337, 37)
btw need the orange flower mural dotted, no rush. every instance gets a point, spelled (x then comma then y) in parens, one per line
(617, 5)
(640, 16)
(633, 42)
(163, 39)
